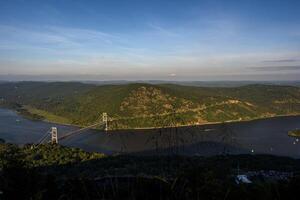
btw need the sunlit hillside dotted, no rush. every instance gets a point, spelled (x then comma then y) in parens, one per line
(145, 105)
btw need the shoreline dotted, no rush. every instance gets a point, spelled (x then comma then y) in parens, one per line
(211, 123)
(154, 128)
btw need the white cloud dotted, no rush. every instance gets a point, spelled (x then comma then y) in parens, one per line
(67, 50)
(163, 31)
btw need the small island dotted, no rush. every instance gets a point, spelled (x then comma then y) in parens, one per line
(294, 133)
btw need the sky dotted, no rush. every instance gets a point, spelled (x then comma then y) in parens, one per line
(150, 39)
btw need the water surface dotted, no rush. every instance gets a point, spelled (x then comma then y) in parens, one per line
(268, 136)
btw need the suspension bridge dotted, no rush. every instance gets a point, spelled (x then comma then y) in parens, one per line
(55, 138)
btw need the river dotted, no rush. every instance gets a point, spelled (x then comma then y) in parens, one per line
(265, 136)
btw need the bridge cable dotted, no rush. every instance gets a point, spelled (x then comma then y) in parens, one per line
(79, 130)
(43, 138)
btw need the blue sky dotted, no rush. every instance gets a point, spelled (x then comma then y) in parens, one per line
(166, 39)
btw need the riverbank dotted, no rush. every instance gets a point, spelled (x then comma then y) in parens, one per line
(294, 133)
(36, 114)
(216, 123)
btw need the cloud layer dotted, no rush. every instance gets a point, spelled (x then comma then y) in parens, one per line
(149, 40)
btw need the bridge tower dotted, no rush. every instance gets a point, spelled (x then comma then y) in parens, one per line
(104, 119)
(54, 138)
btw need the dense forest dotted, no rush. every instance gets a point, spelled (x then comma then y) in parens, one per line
(142, 105)
(56, 172)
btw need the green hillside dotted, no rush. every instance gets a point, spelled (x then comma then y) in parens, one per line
(144, 105)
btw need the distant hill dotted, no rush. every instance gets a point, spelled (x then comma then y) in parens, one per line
(198, 83)
(141, 105)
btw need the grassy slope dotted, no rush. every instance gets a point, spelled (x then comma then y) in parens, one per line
(48, 116)
(144, 105)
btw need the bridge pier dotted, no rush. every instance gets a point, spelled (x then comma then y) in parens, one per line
(104, 119)
(54, 138)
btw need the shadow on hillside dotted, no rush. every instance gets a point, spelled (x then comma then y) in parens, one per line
(141, 177)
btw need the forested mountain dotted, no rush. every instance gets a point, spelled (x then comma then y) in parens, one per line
(142, 105)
